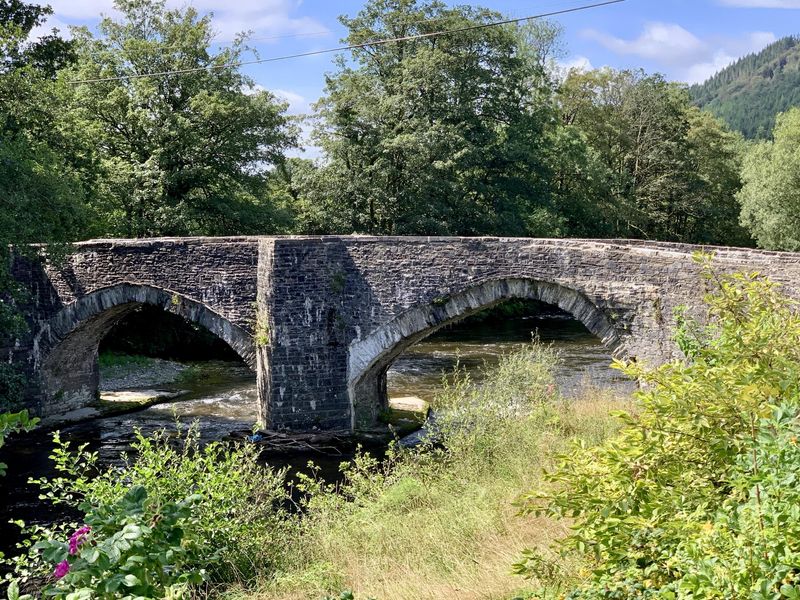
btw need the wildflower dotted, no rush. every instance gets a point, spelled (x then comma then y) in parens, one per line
(77, 538)
(62, 569)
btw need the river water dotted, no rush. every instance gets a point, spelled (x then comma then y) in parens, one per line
(230, 408)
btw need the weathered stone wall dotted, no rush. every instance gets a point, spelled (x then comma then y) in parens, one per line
(341, 309)
(217, 272)
(74, 303)
(322, 318)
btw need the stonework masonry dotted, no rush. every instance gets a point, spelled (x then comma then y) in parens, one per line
(320, 319)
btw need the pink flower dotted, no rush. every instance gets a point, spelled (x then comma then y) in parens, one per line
(77, 538)
(62, 569)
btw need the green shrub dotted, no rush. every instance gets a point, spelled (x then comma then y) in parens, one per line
(12, 387)
(697, 496)
(177, 513)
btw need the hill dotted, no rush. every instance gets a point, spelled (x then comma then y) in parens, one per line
(750, 92)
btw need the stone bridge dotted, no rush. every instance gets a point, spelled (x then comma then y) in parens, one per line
(320, 319)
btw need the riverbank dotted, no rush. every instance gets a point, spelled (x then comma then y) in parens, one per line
(437, 521)
(442, 523)
(130, 372)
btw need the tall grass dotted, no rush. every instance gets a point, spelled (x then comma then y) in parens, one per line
(440, 522)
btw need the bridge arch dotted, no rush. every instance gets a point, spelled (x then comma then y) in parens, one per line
(66, 345)
(369, 358)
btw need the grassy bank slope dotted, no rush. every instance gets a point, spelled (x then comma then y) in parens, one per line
(441, 523)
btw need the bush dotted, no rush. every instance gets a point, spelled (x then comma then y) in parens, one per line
(697, 496)
(176, 515)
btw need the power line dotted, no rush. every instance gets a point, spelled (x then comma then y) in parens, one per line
(249, 39)
(380, 42)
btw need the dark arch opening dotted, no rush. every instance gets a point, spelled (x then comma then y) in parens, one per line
(68, 344)
(477, 343)
(371, 357)
(150, 331)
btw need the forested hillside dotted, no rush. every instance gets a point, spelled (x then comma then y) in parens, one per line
(752, 91)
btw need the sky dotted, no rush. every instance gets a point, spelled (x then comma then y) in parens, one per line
(687, 40)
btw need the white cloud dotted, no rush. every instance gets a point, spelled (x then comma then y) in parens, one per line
(762, 3)
(577, 63)
(682, 54)
(47, 29)
(263, 17)
(664, 42)
(298, 105)
(735, 49)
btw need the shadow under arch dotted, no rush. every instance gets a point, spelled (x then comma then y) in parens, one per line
(369, 358)
(67, 343)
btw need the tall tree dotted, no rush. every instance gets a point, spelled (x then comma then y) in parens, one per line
(441, 135)
(41, 192)
(660, 169)
(184, 153)
(770, 197)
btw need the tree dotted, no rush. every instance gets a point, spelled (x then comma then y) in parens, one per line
(770, 197)
(715, 160)
(656, 167)
(442, 135)
(184, 153)
(41, 194)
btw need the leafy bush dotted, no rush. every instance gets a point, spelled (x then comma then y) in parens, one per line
(178, 514)
(697, 496)
(12, 387)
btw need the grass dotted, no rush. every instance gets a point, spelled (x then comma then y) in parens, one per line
(442, 523)
(118, 359)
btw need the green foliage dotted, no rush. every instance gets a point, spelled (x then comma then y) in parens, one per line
(634, 159)
(433, 521)
(432, 136)
(696, 497)
(41, 193)
(752, 91)
(12, 386)
(136, 548)
(11, 423)
(170, 517)
(770, 197)
(184, 154)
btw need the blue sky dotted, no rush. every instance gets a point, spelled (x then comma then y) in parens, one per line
(688, 40)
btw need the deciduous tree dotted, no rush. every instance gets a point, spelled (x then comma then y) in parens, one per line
(771, 194)
(441, 135)
(184, 153)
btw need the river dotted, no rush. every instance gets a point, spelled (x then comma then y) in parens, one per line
(230, 408)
